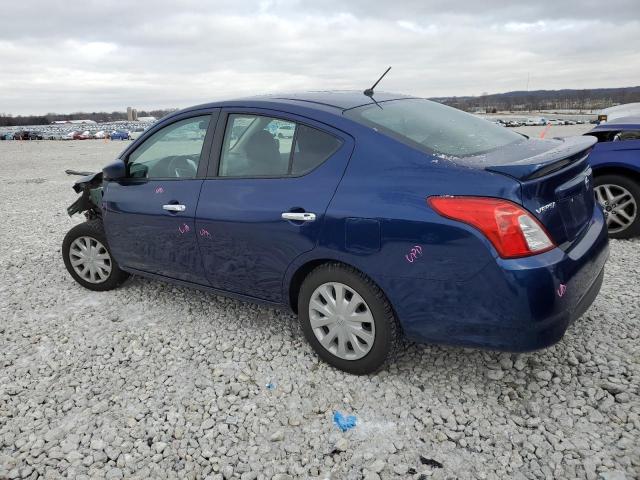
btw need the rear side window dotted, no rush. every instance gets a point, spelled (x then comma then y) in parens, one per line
(261, 146)
(616, 135)
(627, 135)
(433, 127)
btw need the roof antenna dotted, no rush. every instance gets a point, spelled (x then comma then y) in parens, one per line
(369, 91)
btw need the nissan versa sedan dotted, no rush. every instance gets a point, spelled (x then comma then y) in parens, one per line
(383, 217)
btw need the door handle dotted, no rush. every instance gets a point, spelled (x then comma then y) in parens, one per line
(174, 208)
(299, 216)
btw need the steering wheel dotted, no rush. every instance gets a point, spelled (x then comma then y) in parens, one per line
(182, 167)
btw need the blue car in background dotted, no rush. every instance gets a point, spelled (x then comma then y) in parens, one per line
(615, 160)
(120, 135)
(382, 217)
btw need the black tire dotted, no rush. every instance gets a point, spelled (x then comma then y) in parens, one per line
(634, 189)
(92, 229)
(388, 334)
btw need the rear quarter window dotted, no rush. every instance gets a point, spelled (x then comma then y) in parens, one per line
(312, 148)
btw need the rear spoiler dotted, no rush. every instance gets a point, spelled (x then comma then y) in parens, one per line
(570, 150)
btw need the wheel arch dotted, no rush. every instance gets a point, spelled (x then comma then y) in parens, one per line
(304, 269)
(298, 277)
(617, 170)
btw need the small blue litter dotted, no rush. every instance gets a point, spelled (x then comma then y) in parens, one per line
(270, 386)
(343, 422)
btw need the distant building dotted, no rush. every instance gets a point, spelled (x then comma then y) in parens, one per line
(147, 119)
(132, 114)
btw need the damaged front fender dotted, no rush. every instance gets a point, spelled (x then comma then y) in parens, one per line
(90, 201)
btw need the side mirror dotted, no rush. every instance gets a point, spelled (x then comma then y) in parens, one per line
(114, 171)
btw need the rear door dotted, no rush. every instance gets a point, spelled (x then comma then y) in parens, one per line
(264, 200)
(149, 216)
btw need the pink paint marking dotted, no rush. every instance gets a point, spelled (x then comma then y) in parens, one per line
(205, 233)
(184, 228)
(562, 289)
(415, 252)
(159, 190)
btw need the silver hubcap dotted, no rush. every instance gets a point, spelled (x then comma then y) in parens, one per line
(90, 259)
(619, 206)
(341, 321)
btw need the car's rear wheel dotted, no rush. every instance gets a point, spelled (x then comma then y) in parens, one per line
(347, 319)
(619, 197)
(88, 259)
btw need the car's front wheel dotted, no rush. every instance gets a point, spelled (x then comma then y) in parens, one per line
(88, 259)
(619, 197)
(347, 319)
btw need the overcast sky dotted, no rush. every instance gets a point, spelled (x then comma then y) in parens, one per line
(60, 56)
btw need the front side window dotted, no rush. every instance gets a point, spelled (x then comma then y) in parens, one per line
(433, 127)
(260, 146)
(174, 151)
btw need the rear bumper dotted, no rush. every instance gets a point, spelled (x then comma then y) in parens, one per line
(511, 305)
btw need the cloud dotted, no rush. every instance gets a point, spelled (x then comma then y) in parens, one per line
(162, 54)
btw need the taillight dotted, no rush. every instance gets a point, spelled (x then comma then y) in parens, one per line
(512, 230)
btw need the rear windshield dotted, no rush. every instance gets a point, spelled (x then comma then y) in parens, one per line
(433, 127)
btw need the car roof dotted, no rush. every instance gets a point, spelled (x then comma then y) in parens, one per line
(324, 100)
(622, 123)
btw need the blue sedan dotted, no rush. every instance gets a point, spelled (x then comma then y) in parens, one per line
(382, 217)
(615, 160)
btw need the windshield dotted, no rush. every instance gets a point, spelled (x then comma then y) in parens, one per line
(433, 127)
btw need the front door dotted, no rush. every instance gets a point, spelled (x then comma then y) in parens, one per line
(149, 216)
(264, 203)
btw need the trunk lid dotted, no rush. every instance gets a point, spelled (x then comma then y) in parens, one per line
(556, 182)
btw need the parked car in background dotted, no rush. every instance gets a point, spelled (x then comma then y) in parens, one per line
(615, 160)
(35, 135)
(382, 218)
(79, 136)
(21, 135)
(136, 132)
(120, 135)
(285, 131)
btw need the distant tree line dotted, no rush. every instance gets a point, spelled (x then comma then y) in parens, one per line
(567, 99)
(592, 99)
(8, 120)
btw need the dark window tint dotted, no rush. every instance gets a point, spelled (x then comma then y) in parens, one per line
(433, 127)
(312, 148)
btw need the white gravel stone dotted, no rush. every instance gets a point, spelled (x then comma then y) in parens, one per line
(175, 387)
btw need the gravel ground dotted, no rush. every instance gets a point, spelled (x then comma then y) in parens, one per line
(155, 381)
